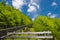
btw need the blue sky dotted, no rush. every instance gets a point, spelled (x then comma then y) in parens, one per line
(34, 8)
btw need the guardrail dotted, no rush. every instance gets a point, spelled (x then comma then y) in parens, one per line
(36, 35)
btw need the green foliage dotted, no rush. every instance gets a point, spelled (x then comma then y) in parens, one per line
(11, 17)
(43, 23)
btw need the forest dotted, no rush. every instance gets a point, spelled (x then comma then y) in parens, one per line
(43, 23)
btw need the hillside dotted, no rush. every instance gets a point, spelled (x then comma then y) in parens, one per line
(10, 17)
(43, 23)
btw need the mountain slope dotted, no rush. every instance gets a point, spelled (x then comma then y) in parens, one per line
(10, 17)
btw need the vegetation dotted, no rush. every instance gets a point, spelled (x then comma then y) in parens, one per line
(43, 23)
(10, 17)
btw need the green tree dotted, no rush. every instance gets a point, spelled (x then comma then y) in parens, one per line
(43, 23)
(10, 17)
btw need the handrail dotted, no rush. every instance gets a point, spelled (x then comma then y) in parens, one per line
(44, 32)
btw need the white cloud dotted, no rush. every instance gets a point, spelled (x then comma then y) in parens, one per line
(49, 14)
(32, 9)
(33, 6)
(31, 1)
(53, 16)
(18, 3)
(54, 4)
(33, 19)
